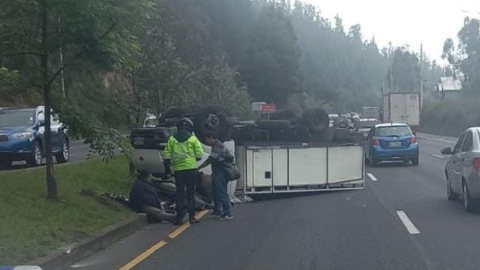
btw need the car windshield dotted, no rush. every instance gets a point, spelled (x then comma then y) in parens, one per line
(16, 118)
(393, 131)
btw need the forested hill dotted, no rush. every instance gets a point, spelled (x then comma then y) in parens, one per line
(158, 54)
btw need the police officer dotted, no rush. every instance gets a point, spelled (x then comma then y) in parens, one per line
(182, 152)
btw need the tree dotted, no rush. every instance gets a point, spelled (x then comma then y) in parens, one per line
(88, 31)
(271, 64)
(406, 71)
(466, 58)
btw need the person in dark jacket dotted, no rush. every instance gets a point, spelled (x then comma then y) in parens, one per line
(144, 199)
(218, 157)
(182, 152)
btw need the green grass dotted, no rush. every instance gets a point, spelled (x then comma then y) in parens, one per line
(32, 226)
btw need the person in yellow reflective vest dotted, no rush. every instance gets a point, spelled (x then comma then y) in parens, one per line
(181, 154)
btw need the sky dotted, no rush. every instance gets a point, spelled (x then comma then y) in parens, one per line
(406, 22)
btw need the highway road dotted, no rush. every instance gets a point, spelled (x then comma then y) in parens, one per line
(402, 220)
(78, 153)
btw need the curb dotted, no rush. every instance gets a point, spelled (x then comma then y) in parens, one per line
(63, 259)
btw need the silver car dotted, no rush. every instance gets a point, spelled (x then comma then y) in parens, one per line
(463, 169)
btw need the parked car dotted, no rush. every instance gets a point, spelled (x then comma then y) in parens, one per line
(392, 142)
(365, 125)
(22, 137)
(463, 169)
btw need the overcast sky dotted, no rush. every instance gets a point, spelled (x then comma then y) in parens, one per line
(404, 22)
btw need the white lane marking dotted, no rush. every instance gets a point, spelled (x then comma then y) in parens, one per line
(407, 223)
(372, 177)
(435, 139)
(437, 156)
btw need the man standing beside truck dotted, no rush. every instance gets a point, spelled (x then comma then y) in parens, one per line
(218, 157)
(182, 152)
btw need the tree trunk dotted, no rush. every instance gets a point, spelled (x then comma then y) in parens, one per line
(51, 183)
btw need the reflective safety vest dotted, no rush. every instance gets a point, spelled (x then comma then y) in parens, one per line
(183, 155)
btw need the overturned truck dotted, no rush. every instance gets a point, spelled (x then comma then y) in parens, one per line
(283, 154)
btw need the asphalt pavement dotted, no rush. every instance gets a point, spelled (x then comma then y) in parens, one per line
(402, 220)
(78, 153)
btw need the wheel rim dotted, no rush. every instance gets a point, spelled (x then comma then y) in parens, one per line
(465, 197)
(66, 152)
(212, 121)
(38, 155)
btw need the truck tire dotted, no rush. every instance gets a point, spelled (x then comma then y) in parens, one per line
(274, 124)
(212, 119)
(316, 120)
(36, 157)
(174, 112)
(64, 155)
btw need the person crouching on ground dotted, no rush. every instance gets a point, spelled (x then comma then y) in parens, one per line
(219, 155)
(144, 199)
(182, 152)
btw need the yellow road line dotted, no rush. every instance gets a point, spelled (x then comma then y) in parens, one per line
(179, 230)
(140, 258)
(144, 255)
(185, 226)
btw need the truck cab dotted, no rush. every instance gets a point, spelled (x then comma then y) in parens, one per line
(22, 137)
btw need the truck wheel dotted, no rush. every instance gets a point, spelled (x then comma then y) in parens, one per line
(64, 155)
(174, 112)
(212, 119)
(316, 120)
(36, 157)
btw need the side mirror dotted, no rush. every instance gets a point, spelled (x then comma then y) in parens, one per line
(415, 134)
(447, 151)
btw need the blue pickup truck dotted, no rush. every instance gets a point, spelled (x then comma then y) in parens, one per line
(22, 137)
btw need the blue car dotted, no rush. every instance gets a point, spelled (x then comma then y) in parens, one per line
(392, 142)
(22, 137)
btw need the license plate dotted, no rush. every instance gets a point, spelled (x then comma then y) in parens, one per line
(138, 141)
(395, 144)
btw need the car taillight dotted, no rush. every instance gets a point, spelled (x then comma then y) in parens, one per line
(476, 163)
(375, 141)
(413, 139)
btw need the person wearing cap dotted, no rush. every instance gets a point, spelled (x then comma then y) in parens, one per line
(144, 199)
(181, 154)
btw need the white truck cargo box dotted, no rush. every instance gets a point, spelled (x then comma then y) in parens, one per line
(300, 168)
(402, 108)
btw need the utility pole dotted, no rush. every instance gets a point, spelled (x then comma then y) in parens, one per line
(62, 73)
(421, 75)
(391, 68)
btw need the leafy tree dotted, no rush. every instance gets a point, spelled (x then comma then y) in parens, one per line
(466, 58)
(271, 64)
(90, 31)
(406, 71)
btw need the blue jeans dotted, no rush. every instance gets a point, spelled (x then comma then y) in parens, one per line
(221, 199)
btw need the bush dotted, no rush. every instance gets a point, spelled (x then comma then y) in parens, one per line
(450, 117)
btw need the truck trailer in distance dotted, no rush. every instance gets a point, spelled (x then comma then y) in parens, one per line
(402, 107)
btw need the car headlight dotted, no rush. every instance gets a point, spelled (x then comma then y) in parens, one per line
(23, 135)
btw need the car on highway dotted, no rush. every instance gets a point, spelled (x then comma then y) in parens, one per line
(462, 170)
(392, 142)
(364, 125)
(22, 137)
